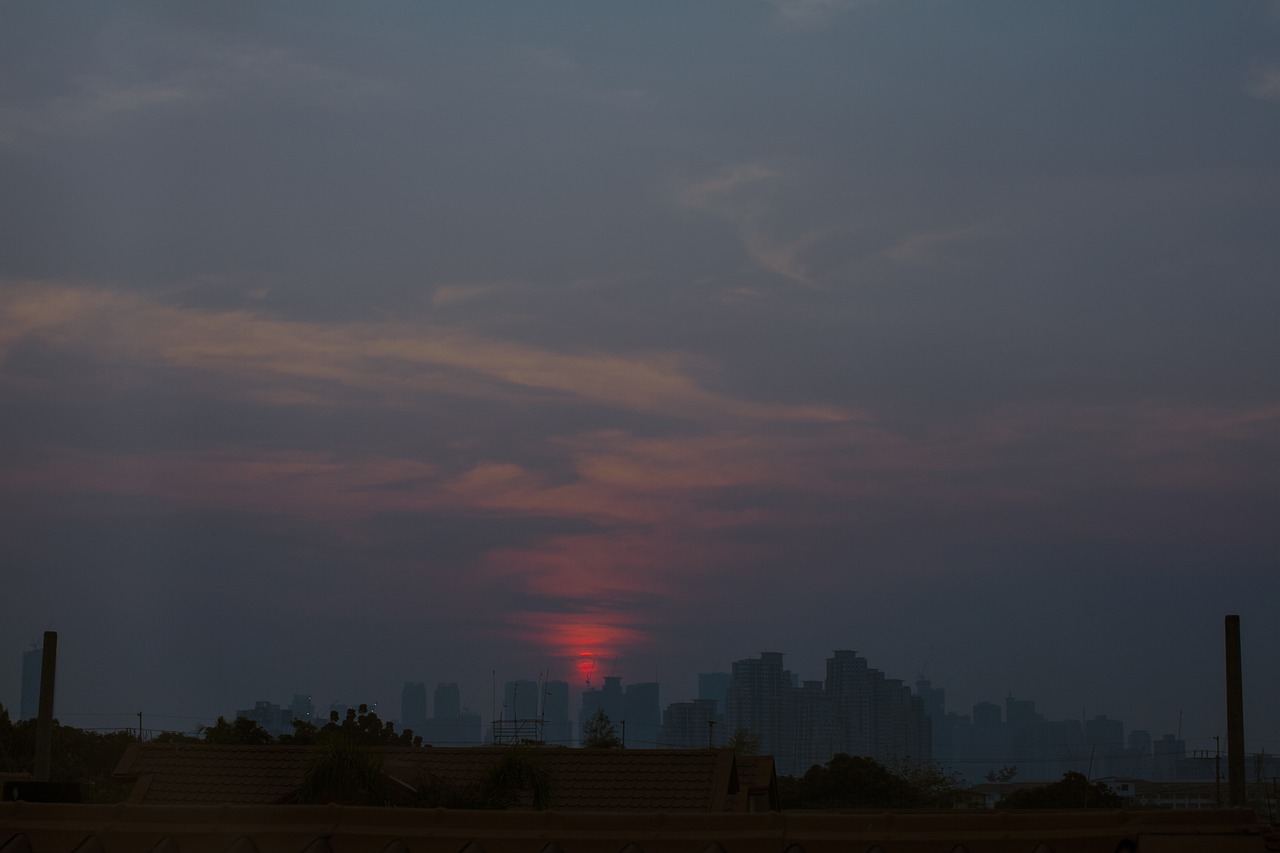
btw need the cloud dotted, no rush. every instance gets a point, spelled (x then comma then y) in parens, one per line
(196, 72)
(396, 360)
(738, 195)
(1266, 83)
(813, 14)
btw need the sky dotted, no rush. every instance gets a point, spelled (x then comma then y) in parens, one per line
(343, 345)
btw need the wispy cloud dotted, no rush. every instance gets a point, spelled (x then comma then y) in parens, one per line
(740, 196)
(198, 73)
(813, 14)
(1265, 83)
(396, 359)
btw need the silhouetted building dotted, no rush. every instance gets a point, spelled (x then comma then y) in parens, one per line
(520, 700)
(413, 707)
(302, 708)
(1168, 754)
(276, 720)
(608, 698)
(714, 686)
(557, 725)
(692, 725)
(642, 714)
(448, 700)
(857, 711)
(757, 688)
(987, 714)
(521, 718)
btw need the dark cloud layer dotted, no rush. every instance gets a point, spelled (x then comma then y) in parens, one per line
(342, 347)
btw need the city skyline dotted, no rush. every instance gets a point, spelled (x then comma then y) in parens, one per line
(568, 709)
(344, 345)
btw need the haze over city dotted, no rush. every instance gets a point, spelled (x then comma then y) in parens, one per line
(345, 345)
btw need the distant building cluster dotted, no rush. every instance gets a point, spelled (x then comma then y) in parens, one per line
(994, 738)
(449, 725)
(857, 709)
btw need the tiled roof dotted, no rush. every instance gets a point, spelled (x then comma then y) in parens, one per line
(598, 779)
(125, 828)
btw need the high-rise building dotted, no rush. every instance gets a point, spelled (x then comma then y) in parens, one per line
(521, 718)
(303, 708)
(452, 724)
(691, 725)
(557, 726)
(642, 715)
(29, 704)
(608, 698)
(521, 700)
(714, 686)
(448, 700)
(849, 686)
(757, 687)
(413, 706)
(276, 720)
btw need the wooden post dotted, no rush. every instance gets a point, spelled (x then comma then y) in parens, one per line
(1235, 716)
(44, 722)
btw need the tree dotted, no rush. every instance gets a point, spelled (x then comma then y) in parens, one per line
(1072, 791)
(243, 732)
(744, 742)
(519, 777)
(84, 757)
(935, 788)
(360, 726)
(345, 772)
(600, 733)
(1004, 774)
(855, 782)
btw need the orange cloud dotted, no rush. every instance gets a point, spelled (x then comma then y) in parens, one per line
(401, 360)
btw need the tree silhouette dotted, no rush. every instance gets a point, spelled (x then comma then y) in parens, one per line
(744, 742)
(600, 733)
(1072, 791)
(243, 732)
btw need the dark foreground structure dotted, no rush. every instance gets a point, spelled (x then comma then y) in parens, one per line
(130, 828)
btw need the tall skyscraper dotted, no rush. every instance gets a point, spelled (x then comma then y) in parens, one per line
(448, 700)
(691, 725)
(608, 698)
(557, 726)
(642, 714)
(303, 708)
(714, 686)
(521, 700)
(754, 700)
(32, 660)
(413, 706)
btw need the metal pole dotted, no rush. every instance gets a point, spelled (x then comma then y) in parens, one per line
(44, 722)
(1235, 715)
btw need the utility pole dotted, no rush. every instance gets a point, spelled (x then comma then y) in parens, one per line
(1235, 714)
(139, 727)
(1217, 768)
(711, 740)
(44, 720)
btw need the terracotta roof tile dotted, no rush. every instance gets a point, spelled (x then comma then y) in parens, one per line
(599, 779)
(124, 828)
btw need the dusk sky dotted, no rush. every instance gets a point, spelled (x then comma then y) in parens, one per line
(349, 344)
